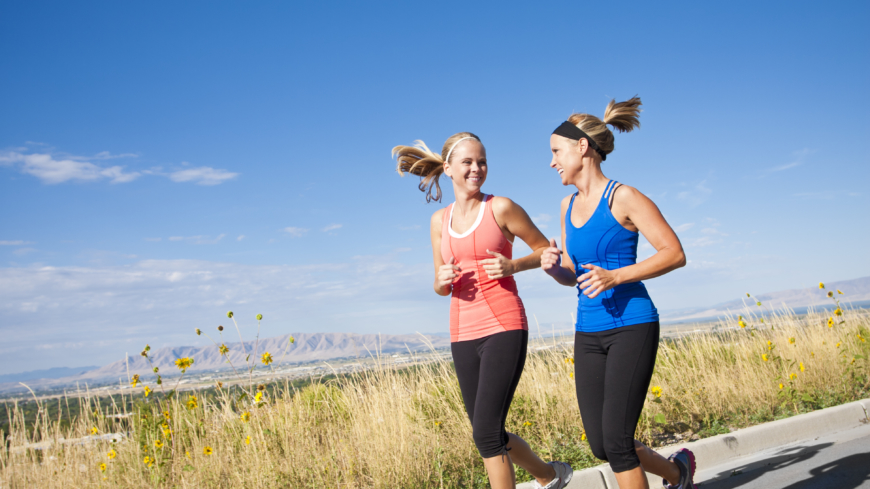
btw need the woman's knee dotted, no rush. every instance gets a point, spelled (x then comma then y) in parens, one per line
(489, 442)
(621, 453)
(596, 444)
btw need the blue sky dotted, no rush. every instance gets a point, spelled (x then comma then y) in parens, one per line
(163, 163)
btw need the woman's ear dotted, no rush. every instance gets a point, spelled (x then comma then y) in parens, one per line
(447, 170)
(581, 146)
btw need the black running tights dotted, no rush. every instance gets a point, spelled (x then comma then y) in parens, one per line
(489, 369)
(612, 371)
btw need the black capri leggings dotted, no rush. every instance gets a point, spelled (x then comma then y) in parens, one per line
(489, 369)
(612, 370)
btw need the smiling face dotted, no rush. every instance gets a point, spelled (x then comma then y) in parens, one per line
(467, 166)
(567, 157)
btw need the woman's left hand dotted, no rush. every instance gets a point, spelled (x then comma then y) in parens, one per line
(498, 267)
(596, 280)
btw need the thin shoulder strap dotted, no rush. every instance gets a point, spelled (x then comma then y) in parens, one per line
(570, 206)
(612, 192)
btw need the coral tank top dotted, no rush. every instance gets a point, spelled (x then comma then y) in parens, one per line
(480, 306)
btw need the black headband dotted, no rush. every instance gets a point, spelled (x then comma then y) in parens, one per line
(571, 131)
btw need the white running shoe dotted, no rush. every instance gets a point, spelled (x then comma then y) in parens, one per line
(564, 472)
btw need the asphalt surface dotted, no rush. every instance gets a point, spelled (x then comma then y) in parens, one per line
(840, 461)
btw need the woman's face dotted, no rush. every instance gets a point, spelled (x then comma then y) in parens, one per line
(567, 158)
(467, 166)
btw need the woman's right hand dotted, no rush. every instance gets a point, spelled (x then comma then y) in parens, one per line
(551, 258)
(447, 273)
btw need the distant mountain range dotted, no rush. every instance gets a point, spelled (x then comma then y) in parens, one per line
(856, 292)
(307, 347)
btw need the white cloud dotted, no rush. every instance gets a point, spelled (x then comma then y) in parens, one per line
(331, 227)
(198, 239)
(702, 242)
(713, 231)
(541, 220)
(293, 231)
(684, 227)
(53, 171)
(798, 158)
(203, 175)
(15, 243)
(54, 168)
(241, 237)
(696, 195)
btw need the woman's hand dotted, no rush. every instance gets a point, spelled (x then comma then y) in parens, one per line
(447, 273)
(551, 258)
(498, 267)
(596, 280)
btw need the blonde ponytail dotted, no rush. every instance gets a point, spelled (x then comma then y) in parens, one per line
(622, 116)
(421, 161)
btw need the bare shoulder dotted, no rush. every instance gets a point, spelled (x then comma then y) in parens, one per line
(628, 195)
(502, 204)
(566, 201)
(437, 217)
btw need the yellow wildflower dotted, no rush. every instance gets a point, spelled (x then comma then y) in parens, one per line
(780, 385)
(246, 416)
(656, 391)
(821, 285)
(94, 430)
(853, 360)
(267, 358)
(741, 323)
(184, 363)
(527, 423)
(791, 341)
(830, 322)
(167, 433)
(764, 357)
(838, 312)
(135, 380)
(248, 440)
(838, 344)
(571, 374)
(191, 402)
(813, 354)
(830, 293)
(258, 397)
(792, 376)
(223, 349)
(103, 467)
(801, 366)
(111, 454)
(149, 462)
(166, 414)
(583, 436)
(158, 444)
(147, 391)
(187, 454)
(207, 451)
(838, 291)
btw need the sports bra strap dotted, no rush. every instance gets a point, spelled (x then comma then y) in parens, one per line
(612, 193)
(571, 206)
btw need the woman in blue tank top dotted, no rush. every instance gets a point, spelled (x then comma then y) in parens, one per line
(617, 330)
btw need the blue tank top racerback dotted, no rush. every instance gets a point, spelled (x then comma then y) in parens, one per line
(602, 241)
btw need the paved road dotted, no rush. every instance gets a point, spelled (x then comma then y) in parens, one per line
(840, 461)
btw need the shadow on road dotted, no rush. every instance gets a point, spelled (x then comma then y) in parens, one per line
(743, 475)
(845, 473)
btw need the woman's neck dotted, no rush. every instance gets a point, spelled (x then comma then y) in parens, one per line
(467, 201)
(590, 178)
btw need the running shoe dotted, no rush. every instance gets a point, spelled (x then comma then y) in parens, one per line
(685, 460)
(564, 472)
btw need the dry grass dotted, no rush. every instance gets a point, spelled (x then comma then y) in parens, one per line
(406, 428)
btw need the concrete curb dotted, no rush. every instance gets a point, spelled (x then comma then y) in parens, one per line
(719, 449)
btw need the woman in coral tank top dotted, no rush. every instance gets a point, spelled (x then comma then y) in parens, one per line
(472, 243)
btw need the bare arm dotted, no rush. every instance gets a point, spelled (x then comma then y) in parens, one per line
(638, 210)
(557, 263)
(514, 222)
(445, 274)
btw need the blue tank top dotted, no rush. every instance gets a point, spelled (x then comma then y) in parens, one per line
(602, 241)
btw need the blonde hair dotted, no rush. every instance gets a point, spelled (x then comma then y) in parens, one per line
(421, 161)
(622, 116)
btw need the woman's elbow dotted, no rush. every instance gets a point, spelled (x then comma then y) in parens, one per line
(680, 259)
